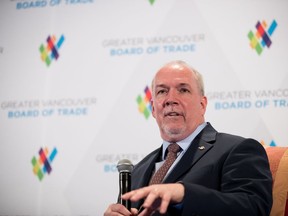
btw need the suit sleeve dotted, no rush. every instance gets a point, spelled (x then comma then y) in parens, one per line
(245, 186)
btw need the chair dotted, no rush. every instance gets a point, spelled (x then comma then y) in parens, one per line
(278, 159)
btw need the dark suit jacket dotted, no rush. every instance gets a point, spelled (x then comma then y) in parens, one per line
(229, 177)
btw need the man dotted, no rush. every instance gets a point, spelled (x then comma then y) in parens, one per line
(214, 173)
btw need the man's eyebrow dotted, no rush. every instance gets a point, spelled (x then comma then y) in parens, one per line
(184, 85)
(166, 86)
(161, 86)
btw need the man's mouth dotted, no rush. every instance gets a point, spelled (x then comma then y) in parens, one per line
(172, 114)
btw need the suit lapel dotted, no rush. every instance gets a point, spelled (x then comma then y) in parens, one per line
(145, 169)
(142, 173)
(202, 143)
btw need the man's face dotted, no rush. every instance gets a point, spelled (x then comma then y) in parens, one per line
(177, 104)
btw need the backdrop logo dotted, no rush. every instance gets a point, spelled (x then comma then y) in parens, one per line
(144, 103)
(271, 144)
(261, 38)
(51, 50)
(42, 165)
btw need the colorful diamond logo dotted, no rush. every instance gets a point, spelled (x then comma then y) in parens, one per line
(50, 51)
(42, 164)
(262, 37)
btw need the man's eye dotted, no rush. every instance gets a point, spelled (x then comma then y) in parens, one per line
(161, 91)
(184, 90)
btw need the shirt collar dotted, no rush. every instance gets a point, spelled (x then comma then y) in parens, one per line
(185, 143)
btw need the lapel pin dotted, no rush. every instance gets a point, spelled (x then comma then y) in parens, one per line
(201, 147)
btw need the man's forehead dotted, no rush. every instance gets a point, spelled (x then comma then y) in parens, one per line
(176, 77)
(179, 73)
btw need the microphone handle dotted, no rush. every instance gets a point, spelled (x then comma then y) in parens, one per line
(125, 186)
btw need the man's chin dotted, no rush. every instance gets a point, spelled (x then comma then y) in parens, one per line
(173, 132)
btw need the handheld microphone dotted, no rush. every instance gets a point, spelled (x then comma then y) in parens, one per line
(124, 167)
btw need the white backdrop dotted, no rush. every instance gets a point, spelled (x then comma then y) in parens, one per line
(83, 105)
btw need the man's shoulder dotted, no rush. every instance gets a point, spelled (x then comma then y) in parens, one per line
(227, 137)
(232, 141)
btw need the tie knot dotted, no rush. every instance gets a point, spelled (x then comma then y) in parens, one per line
(173, 147)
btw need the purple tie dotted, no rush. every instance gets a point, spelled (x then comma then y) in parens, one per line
(157, 178)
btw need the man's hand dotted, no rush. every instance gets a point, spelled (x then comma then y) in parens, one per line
(157, 197)
(119, 210)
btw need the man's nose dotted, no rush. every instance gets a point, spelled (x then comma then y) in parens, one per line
(170, 103)
(171, 99)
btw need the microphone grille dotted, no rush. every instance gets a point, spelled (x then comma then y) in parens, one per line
(125, 165)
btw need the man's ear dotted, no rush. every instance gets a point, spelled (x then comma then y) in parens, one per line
(203, 103)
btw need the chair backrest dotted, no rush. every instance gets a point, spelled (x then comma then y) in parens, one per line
(278, 159)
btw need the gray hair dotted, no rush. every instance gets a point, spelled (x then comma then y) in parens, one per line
(198, 76)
